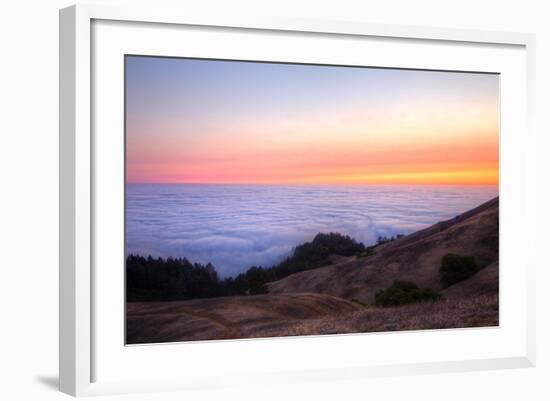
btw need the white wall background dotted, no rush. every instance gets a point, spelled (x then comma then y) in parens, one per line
(29, 200)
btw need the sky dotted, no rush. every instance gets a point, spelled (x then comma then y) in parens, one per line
(233, 122)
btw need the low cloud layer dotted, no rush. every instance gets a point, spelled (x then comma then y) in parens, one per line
(238, 226)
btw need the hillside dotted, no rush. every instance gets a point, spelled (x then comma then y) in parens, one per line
(293, 315)
(415, 257)
(227, 317)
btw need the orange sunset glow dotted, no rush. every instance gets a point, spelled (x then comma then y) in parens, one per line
(203, 121)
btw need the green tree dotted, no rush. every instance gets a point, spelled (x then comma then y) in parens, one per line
(404, 292)
(455, 268)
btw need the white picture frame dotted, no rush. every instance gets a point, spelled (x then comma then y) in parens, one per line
(81, 158)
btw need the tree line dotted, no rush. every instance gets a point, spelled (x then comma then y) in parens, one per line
(170, 279)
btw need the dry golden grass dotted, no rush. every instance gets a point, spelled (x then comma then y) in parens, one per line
(295, 315)
(226, 317)
(479, 311)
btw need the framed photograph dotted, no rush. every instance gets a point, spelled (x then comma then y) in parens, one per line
(294, 200)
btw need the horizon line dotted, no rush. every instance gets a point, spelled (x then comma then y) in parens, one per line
(313, 184)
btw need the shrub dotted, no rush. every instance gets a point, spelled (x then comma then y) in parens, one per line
(369, 251)
(455, 268)
(425, 294)
(404, 292)
(405, 285)
(383, 239)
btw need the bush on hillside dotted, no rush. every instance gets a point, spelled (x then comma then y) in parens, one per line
(404, 292)
(455, 268)
(369, 251)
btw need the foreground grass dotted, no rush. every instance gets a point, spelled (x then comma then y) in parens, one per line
(479, 311)
(295, 315)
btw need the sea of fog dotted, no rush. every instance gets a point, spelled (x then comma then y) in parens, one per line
(238, 226)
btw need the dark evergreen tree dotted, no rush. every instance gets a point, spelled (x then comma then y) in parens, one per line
(150, 279)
